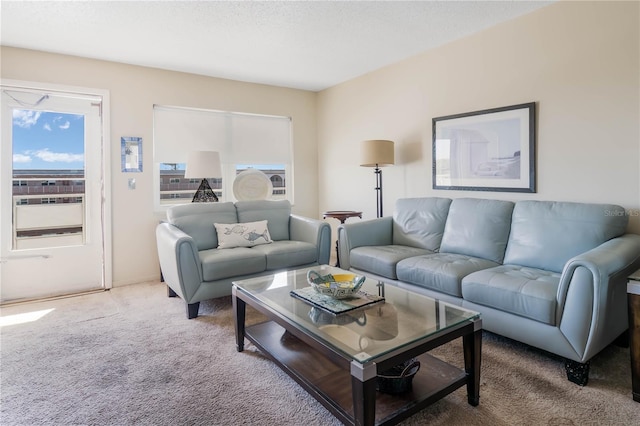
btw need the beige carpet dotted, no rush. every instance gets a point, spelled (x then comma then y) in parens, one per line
(129, 356)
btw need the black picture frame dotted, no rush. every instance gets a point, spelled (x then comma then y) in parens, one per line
(488, 150)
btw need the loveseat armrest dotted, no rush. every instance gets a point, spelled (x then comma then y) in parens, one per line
(592, 294)
(373, 232)
(312, 231)
(179, 260)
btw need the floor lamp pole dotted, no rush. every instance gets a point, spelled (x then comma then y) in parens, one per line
(378, 173)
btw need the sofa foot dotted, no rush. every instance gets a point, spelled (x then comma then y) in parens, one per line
(192, 310)
(577, 372)
(171, 293)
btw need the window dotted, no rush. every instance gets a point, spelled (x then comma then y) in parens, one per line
(243, 141)
(174, 180)
(48, 183)
(277, 181)
(48, 201)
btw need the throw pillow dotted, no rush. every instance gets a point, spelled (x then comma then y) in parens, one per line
(247, 234)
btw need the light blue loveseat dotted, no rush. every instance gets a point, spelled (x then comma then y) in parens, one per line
(549, 274)
(195, 269)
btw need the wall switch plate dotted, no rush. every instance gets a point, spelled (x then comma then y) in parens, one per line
(132, 183)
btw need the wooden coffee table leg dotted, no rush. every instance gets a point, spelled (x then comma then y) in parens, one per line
(363, 389)
(472, 344)
(239, 307)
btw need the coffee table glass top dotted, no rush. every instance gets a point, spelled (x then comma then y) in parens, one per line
(363, 334)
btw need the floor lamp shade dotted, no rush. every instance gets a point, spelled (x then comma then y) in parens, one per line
(377, 153)
(203, 165)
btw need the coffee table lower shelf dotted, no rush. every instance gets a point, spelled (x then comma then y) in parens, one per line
(331, 385)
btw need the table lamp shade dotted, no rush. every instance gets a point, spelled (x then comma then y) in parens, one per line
(376, 153)
(203, 164)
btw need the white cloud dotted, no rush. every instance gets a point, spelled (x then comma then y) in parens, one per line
(65, 126)
(25, 118)
(46, 126)
(52, 157)
(21, 158)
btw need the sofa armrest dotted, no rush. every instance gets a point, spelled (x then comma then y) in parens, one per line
(179, 260)
(373, 232)
(592, 293)
(312, 231)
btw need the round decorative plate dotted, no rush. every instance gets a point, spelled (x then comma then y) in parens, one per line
(252, 184)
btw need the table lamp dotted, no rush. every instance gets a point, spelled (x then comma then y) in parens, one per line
(377, 153)
(203, 164)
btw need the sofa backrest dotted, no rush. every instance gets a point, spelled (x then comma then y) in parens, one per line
(197, 219)
(276, 213)
(477, 227)
(546, 234)
(419, 222)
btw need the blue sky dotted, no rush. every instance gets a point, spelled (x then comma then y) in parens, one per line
(47, 140)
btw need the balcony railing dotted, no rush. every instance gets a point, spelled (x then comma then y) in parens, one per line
(48, 225)
(170, 197)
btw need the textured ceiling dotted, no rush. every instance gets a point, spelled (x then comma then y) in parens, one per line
(308, 45)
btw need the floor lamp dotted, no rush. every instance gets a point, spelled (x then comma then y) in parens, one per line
(377, 153)
(203, 164)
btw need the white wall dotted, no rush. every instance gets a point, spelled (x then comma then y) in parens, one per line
(579, 61)
(133, 91)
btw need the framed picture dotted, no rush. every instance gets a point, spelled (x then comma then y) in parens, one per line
(489, 150)
(131, 151)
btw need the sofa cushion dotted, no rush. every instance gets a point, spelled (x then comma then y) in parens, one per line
(220, 264)
(528, 292)
(419, 222)
(275, 212)
(478, 228)
(382, 260)
(546, 234)
(196, 219)
(441, 272)
(247, 234)
(288, 254)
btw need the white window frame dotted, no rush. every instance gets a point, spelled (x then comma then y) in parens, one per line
(280, 155)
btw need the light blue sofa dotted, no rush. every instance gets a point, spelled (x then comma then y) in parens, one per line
(195, 269)
(549, 274)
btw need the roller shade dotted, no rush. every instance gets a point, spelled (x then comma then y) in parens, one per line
(176, 131)
(260, 139)
(240, 138)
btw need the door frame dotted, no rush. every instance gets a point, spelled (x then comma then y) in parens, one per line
(105, 172)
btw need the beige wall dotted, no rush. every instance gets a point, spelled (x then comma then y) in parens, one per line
(579, 61)
(133, 91)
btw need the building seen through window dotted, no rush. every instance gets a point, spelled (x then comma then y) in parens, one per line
(48, 186)
(175, 188)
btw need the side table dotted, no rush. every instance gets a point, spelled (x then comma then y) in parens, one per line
(633, 300)
(342, 216)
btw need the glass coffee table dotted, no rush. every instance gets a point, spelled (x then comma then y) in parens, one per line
(337, 358)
